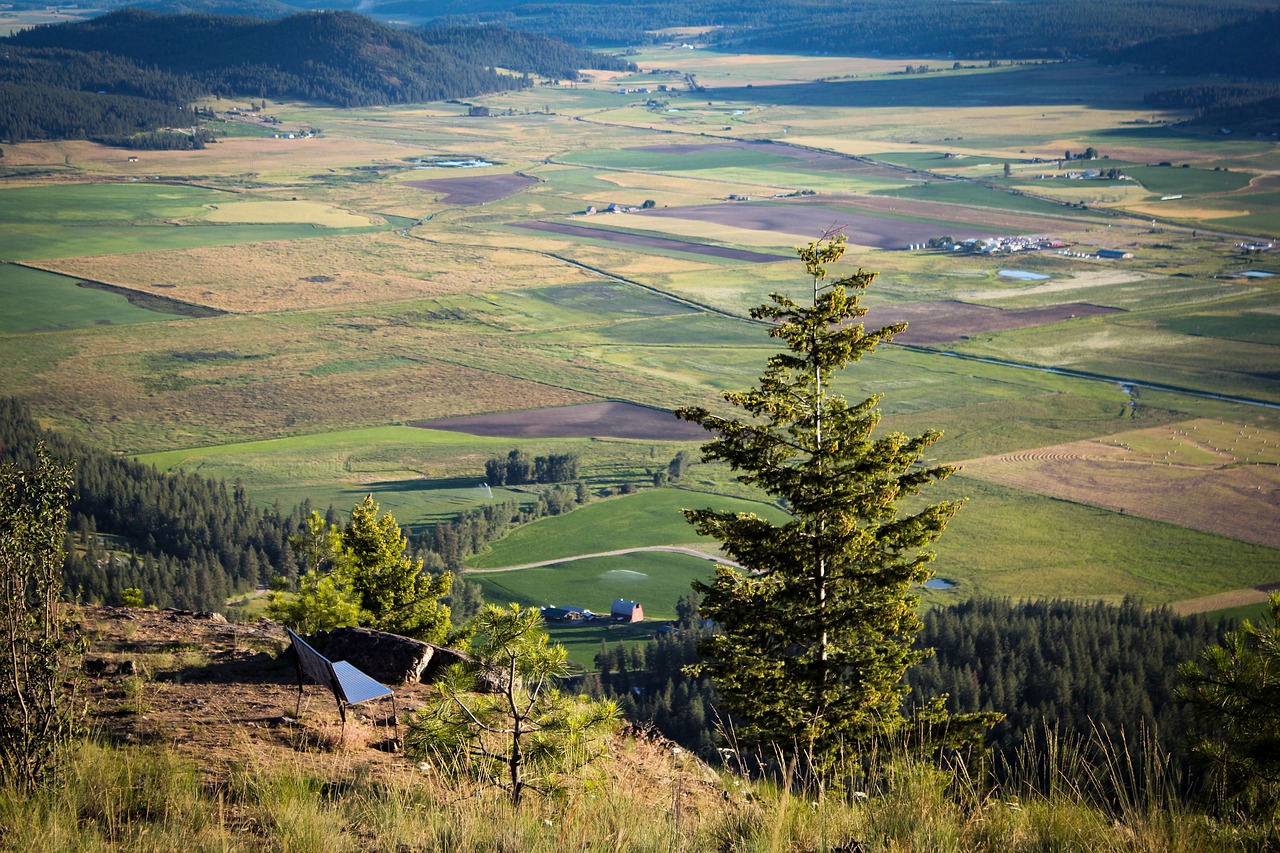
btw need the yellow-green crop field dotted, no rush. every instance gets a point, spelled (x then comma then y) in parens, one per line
(281, 311)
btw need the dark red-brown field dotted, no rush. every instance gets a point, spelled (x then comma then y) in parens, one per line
(611, 419)
(474, 190)
(664, 243)
(786, 217)
(945, 322)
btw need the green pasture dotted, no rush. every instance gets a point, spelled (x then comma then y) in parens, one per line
(28, 242)
(1003, 542)
(967, 192)
(585, 184)
(911, 382)
(1007, 542)
(677, 330)
(984, 429)
(1141, 294)
(927, 160)
(1178, 139)
(38, 301)
(651, 517)
(96, 204)
(382, 441)
(241, 129)
(419, 475)
(1249, 320)
(656, 579)
(1168, 180)
(592, 303)
(1131, 348)
(1255, 613)
(716, 158)
(1266, 223)
(77, 220)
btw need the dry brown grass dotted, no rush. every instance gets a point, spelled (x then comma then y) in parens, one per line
(1174, 210)
(275, 212)
(291, 275)
(1199, 474)
(276, 159)
(1223, 600)
(133, 389)
(714, 231)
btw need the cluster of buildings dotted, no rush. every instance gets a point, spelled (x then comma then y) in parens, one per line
(992, 245)
(622, 610)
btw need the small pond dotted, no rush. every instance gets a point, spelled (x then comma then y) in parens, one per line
(1022, 275)
(939, 583)
(469, 163)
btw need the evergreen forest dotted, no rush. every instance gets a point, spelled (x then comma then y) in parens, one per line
(133, 71)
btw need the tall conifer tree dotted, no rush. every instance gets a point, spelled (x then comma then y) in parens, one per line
(816, 633)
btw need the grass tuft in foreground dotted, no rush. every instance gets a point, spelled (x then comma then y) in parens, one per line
(646, 797)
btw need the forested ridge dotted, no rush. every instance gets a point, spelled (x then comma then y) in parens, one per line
(132, 70)
(962, 29)
(1075, 669)
(181, 539)
(187, 541)
(1248, 48)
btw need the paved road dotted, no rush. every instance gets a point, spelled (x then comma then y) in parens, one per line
(675, 549)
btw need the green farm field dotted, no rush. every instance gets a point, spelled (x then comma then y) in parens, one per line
(650, 518)
(37, 301)
(331, 336)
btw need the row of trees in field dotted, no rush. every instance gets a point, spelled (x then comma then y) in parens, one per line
(519, 468)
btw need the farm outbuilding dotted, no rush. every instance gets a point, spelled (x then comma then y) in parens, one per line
(626, 611)
(1114, 254)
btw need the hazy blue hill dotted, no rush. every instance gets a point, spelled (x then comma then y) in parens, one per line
(1249, 48)
(248, 8)
(337, 57)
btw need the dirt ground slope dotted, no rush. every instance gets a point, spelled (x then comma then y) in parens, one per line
(226, 695)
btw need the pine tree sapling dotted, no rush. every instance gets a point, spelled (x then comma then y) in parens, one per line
(39, 719)
(1234, 692)
(521, 733)
(392, 589)
(361, 575)
(816, 634)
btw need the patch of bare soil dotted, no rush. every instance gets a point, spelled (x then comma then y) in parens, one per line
(611, 419)
(863, 229)
(226, 695)
(220, 693)
(478, 189)
(1223, 600)
(997, 220)
(946, 322)
(666, 243)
